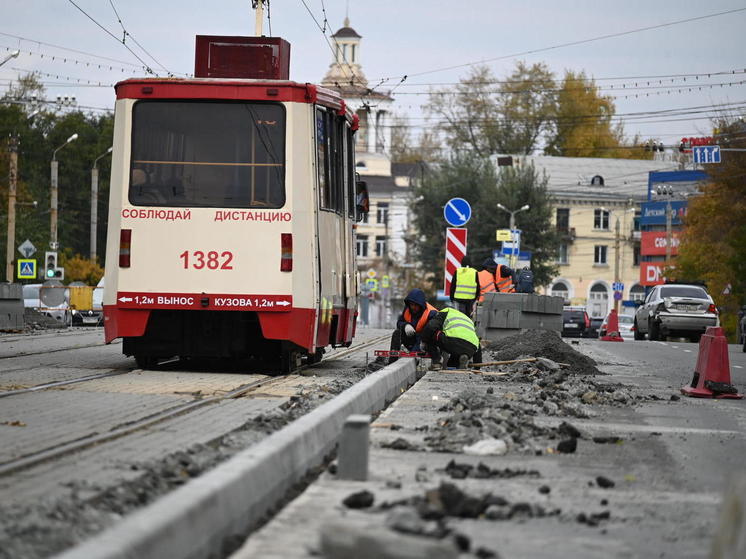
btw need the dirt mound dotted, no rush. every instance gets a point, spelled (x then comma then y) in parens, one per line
(541, 343)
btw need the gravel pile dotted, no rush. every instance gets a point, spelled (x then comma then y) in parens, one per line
(539, 343)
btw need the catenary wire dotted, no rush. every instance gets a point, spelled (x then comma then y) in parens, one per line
(147, 67)
(573, 43)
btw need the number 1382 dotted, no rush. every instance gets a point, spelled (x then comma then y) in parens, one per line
(212, 260)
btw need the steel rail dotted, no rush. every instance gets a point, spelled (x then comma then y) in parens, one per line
(56, 383)
(98, 438)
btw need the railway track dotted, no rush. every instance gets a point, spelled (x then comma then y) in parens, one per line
(95, 438)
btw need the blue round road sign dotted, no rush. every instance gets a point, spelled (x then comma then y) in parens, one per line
(457, 212)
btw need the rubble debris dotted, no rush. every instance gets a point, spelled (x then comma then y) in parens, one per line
(487, 447)
(400, 444)
(545, 490)
(567, 446)
(340, 540)
(481, 471)
(360, 500)
(593, 519)
(608, 440)
(604, 482)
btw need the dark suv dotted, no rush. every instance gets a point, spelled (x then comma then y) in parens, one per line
(575, 322)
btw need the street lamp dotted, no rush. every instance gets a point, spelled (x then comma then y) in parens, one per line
(94, 202)
(53, 197)
(512, 228)
(12, 55)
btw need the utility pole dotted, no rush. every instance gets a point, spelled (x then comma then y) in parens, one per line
(668, 231)
(258, 5)
(12, 189)
(617, 256)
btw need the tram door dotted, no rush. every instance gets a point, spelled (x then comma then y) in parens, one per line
(332, 222)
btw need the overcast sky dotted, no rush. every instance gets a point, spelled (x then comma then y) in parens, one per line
(412, 37)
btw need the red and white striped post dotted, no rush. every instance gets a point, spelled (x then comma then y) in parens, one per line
(455, 251)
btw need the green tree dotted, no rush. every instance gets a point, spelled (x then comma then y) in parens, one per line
(467, 176)
(511, 118)
(713, 243)
(40, 132)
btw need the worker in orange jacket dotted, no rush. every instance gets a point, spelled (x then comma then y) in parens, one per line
(487, 278)
(504, 279)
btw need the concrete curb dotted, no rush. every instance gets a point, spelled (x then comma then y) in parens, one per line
(195, 520)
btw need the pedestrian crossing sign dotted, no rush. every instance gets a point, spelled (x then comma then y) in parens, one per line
(26, 268)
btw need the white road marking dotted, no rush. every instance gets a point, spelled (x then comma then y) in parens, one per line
(688, 350)
(675, 346)
(737, 367)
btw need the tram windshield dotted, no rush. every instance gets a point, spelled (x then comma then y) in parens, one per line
(208, 154)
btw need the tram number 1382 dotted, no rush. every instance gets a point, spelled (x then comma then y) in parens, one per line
(212, 260)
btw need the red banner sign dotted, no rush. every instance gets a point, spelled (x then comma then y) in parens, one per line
(455, 251)
(653, 243)
(651, 273)
(202, 301)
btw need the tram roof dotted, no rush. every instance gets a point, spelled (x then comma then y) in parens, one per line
(232, 89)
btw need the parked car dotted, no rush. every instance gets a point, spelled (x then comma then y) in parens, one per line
(625, 325)
(594, 327)
(684, 310)
(575, 322)
(93, 316)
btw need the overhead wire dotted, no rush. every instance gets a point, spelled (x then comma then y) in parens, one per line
(128, 34)
(147, 67)
(573, 43)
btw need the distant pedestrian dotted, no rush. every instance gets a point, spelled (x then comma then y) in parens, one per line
(465, 287)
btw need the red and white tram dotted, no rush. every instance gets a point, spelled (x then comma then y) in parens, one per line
(231, 212)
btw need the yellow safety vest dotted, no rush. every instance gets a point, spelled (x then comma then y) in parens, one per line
(466, 284)
(458, 325)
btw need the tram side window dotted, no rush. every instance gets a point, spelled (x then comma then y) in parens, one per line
(208, 154)
(330, 161)
(350, 172)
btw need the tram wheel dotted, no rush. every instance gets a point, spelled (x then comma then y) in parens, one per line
(146, 361)
(290, 361)
(313, 358)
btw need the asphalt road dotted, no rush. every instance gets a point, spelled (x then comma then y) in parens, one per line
(670, 467)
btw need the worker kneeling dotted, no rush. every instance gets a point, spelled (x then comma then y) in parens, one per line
(454, 333)
(409, 326)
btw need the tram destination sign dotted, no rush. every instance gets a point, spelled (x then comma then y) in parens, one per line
(203, 301)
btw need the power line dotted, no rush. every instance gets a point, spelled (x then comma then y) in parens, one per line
(573, 43)
(148, 69)
(65, 48)
(128, 34)
(590, 78)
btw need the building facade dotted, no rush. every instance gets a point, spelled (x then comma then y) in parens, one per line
(597, 209)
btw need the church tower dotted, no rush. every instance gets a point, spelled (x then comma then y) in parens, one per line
(346, 75)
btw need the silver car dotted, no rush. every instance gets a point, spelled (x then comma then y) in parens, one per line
(681, 310)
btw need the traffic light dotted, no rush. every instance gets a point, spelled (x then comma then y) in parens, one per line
(51, 270)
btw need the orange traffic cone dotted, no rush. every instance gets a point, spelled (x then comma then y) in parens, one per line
(712, 374)
(612, 329)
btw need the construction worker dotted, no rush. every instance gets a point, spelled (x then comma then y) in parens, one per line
(504, 279)
(411, 321)
(487, 278)
(465, 287)
(454, 334)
